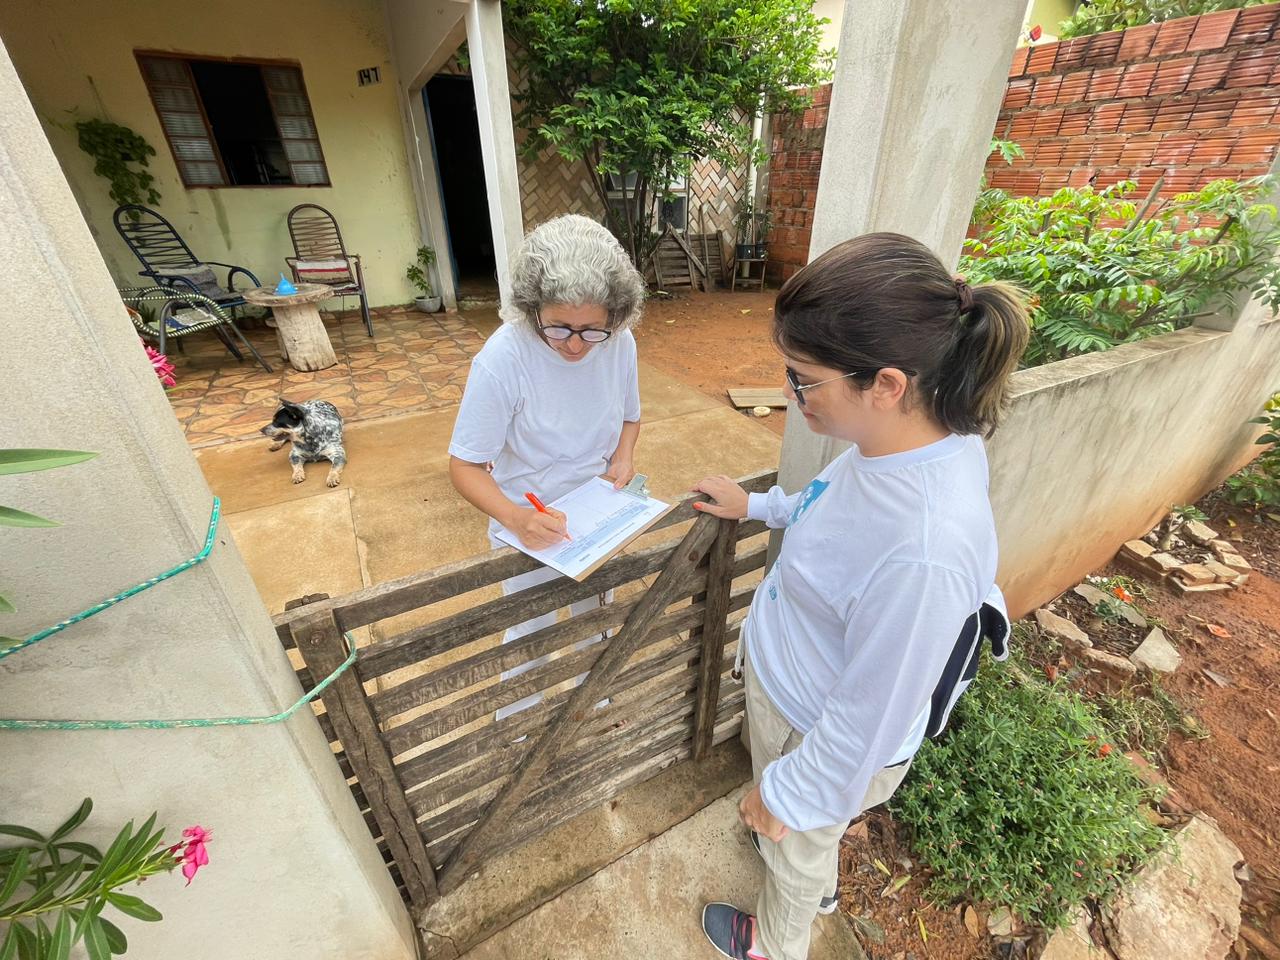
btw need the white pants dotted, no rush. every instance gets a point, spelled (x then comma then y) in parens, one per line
(523, 582)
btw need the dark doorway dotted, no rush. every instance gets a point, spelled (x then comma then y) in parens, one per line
(455, 133)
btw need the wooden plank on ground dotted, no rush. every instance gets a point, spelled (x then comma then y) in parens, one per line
(744, 398)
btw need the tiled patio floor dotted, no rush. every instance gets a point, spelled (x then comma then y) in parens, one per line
(415, 361)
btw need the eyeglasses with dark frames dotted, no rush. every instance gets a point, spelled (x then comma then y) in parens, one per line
(560, 333)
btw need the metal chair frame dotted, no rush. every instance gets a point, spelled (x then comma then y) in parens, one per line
(157, 245)
(316, 236)
(214, 319)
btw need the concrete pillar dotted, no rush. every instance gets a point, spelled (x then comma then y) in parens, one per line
(497, 139)
(294, 871)
(917, 88)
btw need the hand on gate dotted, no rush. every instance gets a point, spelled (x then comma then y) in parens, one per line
(756, 816)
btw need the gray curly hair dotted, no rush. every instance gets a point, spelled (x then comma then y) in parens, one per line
(574, 260)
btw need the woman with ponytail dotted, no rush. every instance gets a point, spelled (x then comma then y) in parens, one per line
(888, 554)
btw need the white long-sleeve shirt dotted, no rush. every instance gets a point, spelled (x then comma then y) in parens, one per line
(883, 560)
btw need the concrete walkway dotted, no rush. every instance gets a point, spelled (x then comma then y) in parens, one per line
(649, 903)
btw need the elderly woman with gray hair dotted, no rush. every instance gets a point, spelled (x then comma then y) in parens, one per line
(553, 397)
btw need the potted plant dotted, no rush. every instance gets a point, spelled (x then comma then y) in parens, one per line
(763, 223)
(419, 274)
(752, 224)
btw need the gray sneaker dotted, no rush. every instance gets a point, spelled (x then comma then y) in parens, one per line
(826, 904)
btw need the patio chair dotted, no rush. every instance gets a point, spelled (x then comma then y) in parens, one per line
(179, 315)
(320, 257)
(168, 262)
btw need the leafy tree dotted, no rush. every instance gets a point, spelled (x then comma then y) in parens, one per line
(638, 89)
(1103, 270)
(1100, 16)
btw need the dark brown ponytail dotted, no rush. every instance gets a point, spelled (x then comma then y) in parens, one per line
(884, 300)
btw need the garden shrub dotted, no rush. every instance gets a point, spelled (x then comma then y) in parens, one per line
(1024, 803)
(1102, 270)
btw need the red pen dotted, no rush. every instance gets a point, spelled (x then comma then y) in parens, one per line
(537, 505)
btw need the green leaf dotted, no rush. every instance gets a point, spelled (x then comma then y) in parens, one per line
(17, 460)
(133, 907)
(9, 946)
(17, 872)
(26, 833)
(87, 850)
(6, 606)
(74, 821)
(96, 941)
(28, 943)
(110, 860)
(49, 889)
(9, 517)
(60, 942)
(116, 939)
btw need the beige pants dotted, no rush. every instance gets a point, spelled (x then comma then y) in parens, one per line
(802, 868)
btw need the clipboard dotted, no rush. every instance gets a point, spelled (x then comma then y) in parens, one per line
(602, 521)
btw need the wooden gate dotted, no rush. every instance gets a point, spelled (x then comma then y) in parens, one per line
(441, 783)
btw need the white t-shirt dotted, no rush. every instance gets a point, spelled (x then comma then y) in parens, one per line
(547, 424)
(883, 560)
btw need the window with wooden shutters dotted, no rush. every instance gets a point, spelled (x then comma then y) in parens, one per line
(235, 122)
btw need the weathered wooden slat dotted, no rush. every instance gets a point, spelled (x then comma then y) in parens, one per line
(496, 615)
(468, 812)
(495, 767)
(655, 740)
(394, 597)
(438, 822)
(417, 691)
(587, 796)
(489, 663)
(436, 723)
(320, 641)
(594, 787)
(471, 745)
(608, 665)
(713, 631)
(628, 713)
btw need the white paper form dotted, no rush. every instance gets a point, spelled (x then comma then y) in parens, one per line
(601, 521)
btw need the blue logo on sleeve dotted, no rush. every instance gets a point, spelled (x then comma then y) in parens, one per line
(812, 492)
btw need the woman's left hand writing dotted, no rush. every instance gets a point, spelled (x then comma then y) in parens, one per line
(753, 813)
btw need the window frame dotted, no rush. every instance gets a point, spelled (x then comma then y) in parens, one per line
(185, 59)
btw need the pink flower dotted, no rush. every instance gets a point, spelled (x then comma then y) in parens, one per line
(161, 365)
(194, 856)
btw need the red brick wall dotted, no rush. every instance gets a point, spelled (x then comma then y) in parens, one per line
(795, 156)
(1195, 99)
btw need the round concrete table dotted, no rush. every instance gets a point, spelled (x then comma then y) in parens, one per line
(304, 342)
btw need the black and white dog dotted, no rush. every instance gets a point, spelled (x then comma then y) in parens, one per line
(315, 429)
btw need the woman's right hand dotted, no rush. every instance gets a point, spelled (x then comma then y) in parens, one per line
(730, 499)
(538, 531)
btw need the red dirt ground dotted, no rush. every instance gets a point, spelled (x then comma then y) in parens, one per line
(713, 342)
